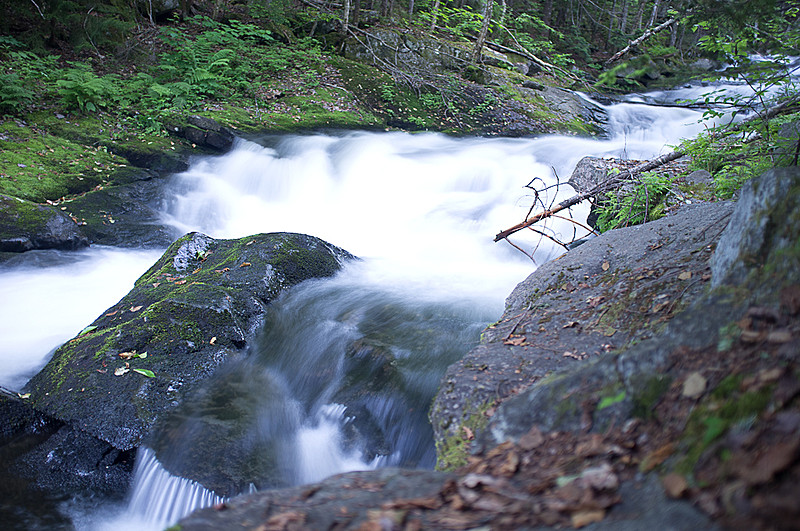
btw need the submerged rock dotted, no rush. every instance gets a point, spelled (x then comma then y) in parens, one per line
(195, 308)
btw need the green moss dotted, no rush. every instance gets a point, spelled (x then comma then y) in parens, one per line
(712, 419)
(452, 451)
(648, 394)
(39, 166)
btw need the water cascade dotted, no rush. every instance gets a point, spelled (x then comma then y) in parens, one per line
(420, 211)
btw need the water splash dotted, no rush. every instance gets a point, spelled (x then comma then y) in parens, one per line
(320, 451)
(159, 499)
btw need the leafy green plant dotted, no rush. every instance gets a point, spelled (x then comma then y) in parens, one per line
(642, 202)
(14, 93)
(80, 88)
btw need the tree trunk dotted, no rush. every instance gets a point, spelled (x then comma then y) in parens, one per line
(434, 14)
(623, 23)
(547, 11)
(640, 15)
(487, 19)
(356, 12)
(654, 14)
(611, 22)
(410, 10)
(346, 16)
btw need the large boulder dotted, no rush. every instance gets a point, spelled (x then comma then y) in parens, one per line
(25, 226)
(609, 292)
(195, 308)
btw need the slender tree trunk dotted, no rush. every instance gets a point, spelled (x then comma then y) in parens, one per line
(356, 12)
(611, 16)
(654, 14)
(623, 23)
(547, 11)
(487, 19)
(640, 15)
(346, 16)
(434, 14)
(673, 35)
(410, 10)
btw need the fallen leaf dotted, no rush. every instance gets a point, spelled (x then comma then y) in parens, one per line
(26, 395)
(656, 457)
(532, 439)
(675, 485)
(127, 355)
(695, 385)
(213, 340)
(119, 371)
(178, 282)
(145, 372)
(156, 284)
(516, 341)
(610, 331)
(774, 459)
(584, 518)
(510, 465)
(571, 324)
(197, 270)
(135, 308)
(87, 330)
(245, 264)
(109, 314)
(606, 266)
(686, 275)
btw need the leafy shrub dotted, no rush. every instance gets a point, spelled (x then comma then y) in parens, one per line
(14, 94)
(642, 202)
(80, 88)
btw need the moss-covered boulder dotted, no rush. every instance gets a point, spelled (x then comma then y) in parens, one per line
(25, 226)
(195, 308)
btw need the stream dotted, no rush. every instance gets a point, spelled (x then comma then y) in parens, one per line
(420, 210)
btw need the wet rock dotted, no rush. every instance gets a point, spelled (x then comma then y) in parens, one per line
(195, 308)
(205, 132)
(699, 177)
(705, 64)
(127, 215)
(231, 432)
(358, 500)
(25, 226)
(764, 229)
(551, 325)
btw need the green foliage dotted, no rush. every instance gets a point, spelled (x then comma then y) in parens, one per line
(14, 94)
(642, 202)
(80, 88)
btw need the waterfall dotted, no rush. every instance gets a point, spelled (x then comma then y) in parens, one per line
(420, 210)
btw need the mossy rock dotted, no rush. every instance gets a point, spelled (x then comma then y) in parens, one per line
(25, 226)
(194, 309)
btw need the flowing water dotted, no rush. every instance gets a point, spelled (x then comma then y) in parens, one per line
(420, 210)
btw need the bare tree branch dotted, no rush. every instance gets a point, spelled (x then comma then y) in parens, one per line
(646, 35)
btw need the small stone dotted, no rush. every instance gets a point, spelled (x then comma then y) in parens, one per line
(695, 385)
(675, 485)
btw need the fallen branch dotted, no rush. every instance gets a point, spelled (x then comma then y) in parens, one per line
(602, 187)
(646, 35)
(615, 181)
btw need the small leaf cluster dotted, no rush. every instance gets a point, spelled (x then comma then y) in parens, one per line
(637, 204)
